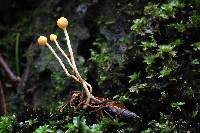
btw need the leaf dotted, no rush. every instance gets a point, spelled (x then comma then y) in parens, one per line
(137, 87)
(149, 59)
(196, 46)
(139, 25)
(147, 45)
(195, 62)
(179, 26)
(177, 105)
(165, 48)
(165, 72)
(134, 77)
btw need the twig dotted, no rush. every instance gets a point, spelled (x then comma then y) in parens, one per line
(14, 79)
(3, 107)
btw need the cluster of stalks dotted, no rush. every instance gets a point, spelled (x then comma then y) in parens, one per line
(62, 23)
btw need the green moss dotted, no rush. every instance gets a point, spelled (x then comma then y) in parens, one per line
(44, 129)
(6, 123)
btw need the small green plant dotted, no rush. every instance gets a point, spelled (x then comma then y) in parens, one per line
(195, 62)
(122, 98)
(105, 125)
(79, 125)
(149, 60)
(179, 26)
(165, 72)
(134, 77)
(165, 127)
(195, 113)
(138, 87)
(149, 44)
(6, 123)
(138, 25)
(177, 105)
(194, 19)
(169, 9)
(165, 48)
(196, 46)
(162, 126)
(44, 129)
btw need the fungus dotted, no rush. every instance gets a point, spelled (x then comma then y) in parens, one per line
(62, 23)
(53, 37)
(42, 40)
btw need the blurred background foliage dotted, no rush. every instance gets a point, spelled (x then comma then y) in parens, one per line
(144, 53)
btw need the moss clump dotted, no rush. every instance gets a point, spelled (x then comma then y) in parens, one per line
(6, 123)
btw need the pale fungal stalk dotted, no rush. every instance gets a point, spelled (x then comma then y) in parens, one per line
(42, 40)
(72, 59)
(62, 24)
(64, 54)
(61, 63)
(58, 58)
(53, 39)
(86, 85)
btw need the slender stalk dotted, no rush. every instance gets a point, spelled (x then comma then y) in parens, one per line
(78, 78)
(61, 63)
(71, 53)
(73, 61)
(89, 95)
(63, 53)
(17, 54)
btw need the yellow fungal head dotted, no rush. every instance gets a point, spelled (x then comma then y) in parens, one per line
(53, 37)
(62, 23)
(42, 40)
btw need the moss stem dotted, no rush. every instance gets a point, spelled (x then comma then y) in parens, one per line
(17, 54)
